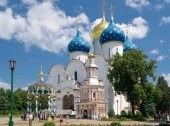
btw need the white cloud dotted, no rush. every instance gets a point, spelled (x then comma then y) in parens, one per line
(165, 20)
(29, 2)
(137, 4)
(4, 85)
(155, 51)
(9, 24)
(160, 58)
(3, 2)
(138, 29)
(159, 7)
(161, 41)
(167, 78)
(167, 1)
(44, 26)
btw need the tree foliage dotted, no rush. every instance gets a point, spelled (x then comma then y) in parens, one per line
(129, 75)
(163, 98)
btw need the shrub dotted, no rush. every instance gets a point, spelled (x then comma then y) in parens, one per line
(163, 124)
(129, 115)
(50, 123)
(123, 113)
(115, 124)
(111, 113)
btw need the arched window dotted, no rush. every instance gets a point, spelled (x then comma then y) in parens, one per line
(65, 102)
(75, 75)
(68, 102)
(58, 78)
(71, 102)
(109, 52)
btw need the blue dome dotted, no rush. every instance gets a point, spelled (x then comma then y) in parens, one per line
(79, 44)
(129, 45)
(112, 33)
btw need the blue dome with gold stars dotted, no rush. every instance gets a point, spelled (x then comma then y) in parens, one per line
(129, 45)
(79, 44)
(112, 33)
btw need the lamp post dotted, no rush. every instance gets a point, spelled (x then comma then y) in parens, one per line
(12, 64)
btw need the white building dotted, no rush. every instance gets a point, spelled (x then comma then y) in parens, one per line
(108, 39)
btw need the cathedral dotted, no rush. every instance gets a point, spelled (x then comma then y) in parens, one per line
(82, 87)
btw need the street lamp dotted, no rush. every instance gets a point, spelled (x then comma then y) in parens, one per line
(12, 64)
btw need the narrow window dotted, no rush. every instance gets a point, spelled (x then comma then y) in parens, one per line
(75, 75)
(94, 95)
(117, 50)
(58, 78)
(109, 52)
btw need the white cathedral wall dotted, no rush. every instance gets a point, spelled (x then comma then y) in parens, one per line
(120, 104)
(76, 65)
(97, 47)
(111, 48)
(82, 56)
(56, 75)
(66, 87)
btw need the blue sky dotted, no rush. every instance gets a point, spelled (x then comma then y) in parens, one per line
(35, 32)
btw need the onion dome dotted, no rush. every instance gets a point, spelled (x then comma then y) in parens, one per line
(129, 45)
(79, 44)
(98, 29)
(112, 33)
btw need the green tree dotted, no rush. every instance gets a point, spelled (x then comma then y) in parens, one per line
(163, 102)
(20, 100)
(129, 75)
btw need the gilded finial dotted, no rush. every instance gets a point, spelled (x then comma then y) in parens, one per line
(103, 9)
(111, 11)
(91, 54)
(127, 29)
(41, 74)
(78, 20)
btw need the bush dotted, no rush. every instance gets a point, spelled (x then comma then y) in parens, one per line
(49, 124)
(115, 124)
(163, 124)
(111, 113)
(123, 113)
(129, 115)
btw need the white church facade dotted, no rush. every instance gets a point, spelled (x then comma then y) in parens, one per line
(82, 87)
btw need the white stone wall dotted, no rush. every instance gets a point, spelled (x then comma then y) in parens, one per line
(120, 104)
(76, 65)
(82, 56)
(114, 47)
(53, 75)
(97, 47)
(67, 87)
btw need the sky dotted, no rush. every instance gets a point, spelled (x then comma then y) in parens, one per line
(37, 32)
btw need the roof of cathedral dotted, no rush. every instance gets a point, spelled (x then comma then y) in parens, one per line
(98, 29)
(129, 45)
(112, 33)
(79, 44)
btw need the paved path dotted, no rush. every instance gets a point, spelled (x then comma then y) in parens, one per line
(19, 122)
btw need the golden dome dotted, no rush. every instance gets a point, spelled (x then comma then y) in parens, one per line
(91, 55)
(98, 29)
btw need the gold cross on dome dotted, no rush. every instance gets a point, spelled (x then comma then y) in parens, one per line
(78, 20)
(103, 7)
(111, 11)
(127, 29)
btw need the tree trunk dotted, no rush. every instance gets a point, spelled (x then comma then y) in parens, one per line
(133, 108)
